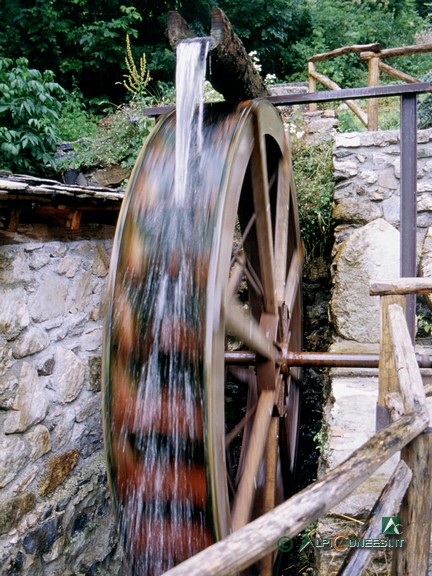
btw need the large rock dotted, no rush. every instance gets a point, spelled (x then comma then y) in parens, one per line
(371, 253)
(70, 375)
(30, 405)
(13, 457)
(14, 314)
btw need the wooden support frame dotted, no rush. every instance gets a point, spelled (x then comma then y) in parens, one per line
(373, 55)
(411, 481)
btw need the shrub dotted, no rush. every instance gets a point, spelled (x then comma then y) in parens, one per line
(314, 184)
(425, 108)
(75, 122)
(29, 111)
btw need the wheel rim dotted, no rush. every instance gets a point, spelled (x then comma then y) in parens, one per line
(259, 156)
(244, 150)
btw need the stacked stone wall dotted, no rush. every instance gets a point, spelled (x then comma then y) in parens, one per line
(367, 212)
(55, 515)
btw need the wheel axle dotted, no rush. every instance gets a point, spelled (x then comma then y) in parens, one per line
(324, 359)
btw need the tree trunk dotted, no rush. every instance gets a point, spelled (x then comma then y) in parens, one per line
(230, 70)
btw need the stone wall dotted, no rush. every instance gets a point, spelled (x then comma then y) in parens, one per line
(366, 210)
(55, 515)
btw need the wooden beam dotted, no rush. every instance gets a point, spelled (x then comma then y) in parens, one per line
(231, 70)
(396, 73)
(177, 29)
(401, 286)
(416, 510)
(356, 48)
(387, 504)
(373, 80)
(333, 86)
(396, 52)
(312, 85)
(260, 537)
(388, 376)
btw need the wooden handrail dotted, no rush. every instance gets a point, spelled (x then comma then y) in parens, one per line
(373, 54)
(397, 52)
(355, 48)
(260, 537)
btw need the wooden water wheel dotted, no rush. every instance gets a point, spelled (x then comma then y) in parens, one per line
(200, 409)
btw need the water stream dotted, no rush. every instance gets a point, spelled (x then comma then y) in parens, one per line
(190, 76)
(154, 401)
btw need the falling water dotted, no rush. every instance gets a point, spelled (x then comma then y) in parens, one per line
(153, 403)
(190, 75)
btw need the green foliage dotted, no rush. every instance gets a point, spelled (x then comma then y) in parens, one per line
(80, 40)
(313, 176)
(425, 108)
(337, 23)
(117, 140)
(424, 325)
(29, 112)
(118, 137)
(75, 121)
(272, 29)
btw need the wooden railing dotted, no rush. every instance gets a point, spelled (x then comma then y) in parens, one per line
(373, 55)
(402, 396)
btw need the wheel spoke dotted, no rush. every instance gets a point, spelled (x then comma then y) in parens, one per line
(237, 271)
(281, 226)
(293, 280)
(243, 238)
(262, 207)
(243, 503)
(242, 325)
(239, 426)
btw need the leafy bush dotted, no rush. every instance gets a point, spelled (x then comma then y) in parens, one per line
(425, 108)
(337, 23)
(74, 121)
(313, 177)
(117, 140)
(29, 112)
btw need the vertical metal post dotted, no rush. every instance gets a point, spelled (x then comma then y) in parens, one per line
(408, 201)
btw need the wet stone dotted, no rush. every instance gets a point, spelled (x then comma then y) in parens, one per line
(13, 509)
(56, 471)
(40, 540)
(94, 365)
(39, 440)
(30, 405)
(70, 373)
(13, 457)
(14, 314)
(29, 342)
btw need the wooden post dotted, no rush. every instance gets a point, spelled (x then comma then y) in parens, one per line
(312, 85)
(388, 378)
(373, 80)
(260, 537)
(416, 510)
(358, 559)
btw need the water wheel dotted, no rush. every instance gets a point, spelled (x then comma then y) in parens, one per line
(200, 411)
